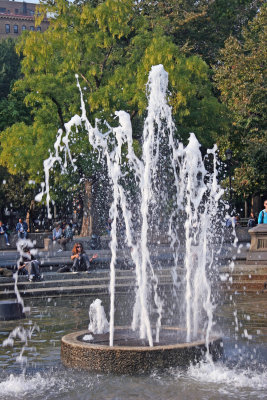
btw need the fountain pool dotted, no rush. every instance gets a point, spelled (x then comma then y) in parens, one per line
(241, 374)
(171, 184)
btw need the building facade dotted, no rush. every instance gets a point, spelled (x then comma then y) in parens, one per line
(16, 17)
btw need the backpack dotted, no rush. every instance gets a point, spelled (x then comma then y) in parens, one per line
(251, 223)
(262, 216)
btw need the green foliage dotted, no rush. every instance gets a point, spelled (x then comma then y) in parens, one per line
(112, 45)
(19, 192)
(201, 27)
(24, 148)
(112, 49)
(10, 66)
(12, 108)
(3, 178)
(240, 77)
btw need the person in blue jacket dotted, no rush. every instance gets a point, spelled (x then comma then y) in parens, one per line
(263, 214)
(21, 229)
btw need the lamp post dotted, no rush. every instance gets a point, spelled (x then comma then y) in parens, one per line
(229, 154)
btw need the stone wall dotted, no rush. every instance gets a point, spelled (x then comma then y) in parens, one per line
(13, 238)
(258, 249)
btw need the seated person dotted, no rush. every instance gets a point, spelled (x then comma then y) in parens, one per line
(108, 226)
(252, 220)
(80, 260)
(56, 234)
(67, 237)
(21, 229)
(3, 231)
(28, 265)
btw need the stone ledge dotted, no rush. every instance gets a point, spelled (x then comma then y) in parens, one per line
(132, 359)
(13, 238)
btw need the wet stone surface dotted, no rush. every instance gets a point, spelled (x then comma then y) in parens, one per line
(126, 337)
(131, 355)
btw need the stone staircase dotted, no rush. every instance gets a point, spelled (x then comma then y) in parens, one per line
(244, 278)
(72, 284)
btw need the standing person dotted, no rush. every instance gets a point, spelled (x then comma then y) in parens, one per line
(3, 231)
(21, 229)
(80, 260)
(29, 265)
(263, 214)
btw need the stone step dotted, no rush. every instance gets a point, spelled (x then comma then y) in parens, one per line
(53, 275)
(59, 283)
(245, 277)
(244, 268)
(244, 286)
(50, 261)
(70, 290)
(63, 291)
(76, 279)
(74, 282)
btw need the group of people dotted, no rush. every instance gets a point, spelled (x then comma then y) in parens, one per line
(62, 235)
(252, 220)
(28, 263)
(262, 218)
(30, 266)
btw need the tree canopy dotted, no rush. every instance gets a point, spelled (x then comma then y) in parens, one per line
(111, 48)
(201, 27)
(111, 45)
(241, 79)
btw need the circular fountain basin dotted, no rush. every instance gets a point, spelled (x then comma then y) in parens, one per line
(10, 309)
(131, 355)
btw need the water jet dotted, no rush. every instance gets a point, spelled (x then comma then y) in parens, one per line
(171, 184)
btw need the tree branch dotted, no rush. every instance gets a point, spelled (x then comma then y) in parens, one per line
(60, 113)
(102, 67)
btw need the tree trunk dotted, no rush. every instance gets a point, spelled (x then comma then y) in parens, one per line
(246, 209)
(29, 216)
(87, 223)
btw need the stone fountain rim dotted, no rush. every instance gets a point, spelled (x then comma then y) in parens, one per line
(71, 339)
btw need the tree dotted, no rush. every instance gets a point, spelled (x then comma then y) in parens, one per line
(10, 66)
(201, 27)
(240, 77)
(12, 110)
(111, 47)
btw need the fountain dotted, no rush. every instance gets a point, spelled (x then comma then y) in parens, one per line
(157, 326)
(172, 189)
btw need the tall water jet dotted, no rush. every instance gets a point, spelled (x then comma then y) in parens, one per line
(190, 201)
